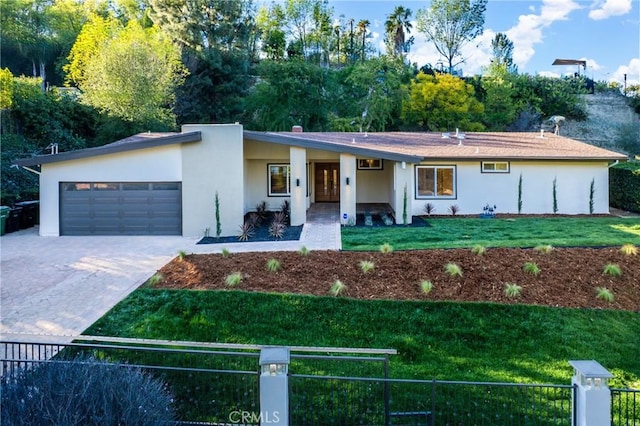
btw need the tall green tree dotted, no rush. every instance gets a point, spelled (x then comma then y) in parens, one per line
(88, 45)
(26, 35)
(502, 50)
(290, 93)
(370, 95)
(500, 106)
(442, 102)
(363, 26)
(270, 23)
(397, 26)
(204, 24)
(450, 24)
(134, 77)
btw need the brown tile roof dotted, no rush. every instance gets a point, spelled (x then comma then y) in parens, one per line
(474, 145)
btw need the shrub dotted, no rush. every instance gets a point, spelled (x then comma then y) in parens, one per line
(604, 294)
(629, 250)
(544, 248)
(454, 209)
(233, 279)
(337, 287)
(278, 225)
(155, 279)
(386, 248)
(512, 290)
(531, 268)
(246, 231)
(303, 251)
(273, 265)
(453, 269)
(429, 208)
(181, 255)
(84, 392)
(261, 209)
(285, 209)
(612, 269)
(426, 286)
(225, 252)
(366, 266)
(624, 186)
(478, 249)
(254, 219)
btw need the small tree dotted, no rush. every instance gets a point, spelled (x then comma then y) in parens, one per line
(555, 196)
(520, 194)
(218, 224)
(592, 191)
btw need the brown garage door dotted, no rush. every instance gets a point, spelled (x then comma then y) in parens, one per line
(120, 208)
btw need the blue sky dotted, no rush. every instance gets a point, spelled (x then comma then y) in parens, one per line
(605, 33)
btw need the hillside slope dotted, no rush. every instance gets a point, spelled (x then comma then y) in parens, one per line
(607, 113)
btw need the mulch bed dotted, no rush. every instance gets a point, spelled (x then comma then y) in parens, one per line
(568, 278)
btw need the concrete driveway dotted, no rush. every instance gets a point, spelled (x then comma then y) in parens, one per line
(59, 286)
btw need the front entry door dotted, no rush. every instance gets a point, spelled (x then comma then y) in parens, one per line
(327, 182)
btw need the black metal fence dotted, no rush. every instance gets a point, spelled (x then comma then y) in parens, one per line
(332, 400)
(625, 407)
(219, 384)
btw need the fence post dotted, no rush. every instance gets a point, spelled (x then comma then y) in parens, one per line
(274, 386)
(592, 404)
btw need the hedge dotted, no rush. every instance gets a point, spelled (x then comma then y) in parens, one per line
(624, 186)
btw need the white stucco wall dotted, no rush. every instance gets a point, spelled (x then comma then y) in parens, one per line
(210, 166)
(147, 165)
(257, 184)
(476, 189)
(373, 185)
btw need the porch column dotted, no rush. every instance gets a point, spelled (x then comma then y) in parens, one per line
(403, 179)
(347, 188)
(298, 161)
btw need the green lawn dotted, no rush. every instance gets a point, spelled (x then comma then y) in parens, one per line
(448, 341)
(517, 232)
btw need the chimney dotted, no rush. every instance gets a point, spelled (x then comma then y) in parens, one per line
(296, 129)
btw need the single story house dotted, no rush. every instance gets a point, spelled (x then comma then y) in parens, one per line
(166, 183)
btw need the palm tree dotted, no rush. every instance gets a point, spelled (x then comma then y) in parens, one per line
(362, 29)
(397, 26)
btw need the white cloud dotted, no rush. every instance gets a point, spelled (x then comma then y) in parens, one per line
(632, 70)
(591, 64)
(529, 30)
(549, 74)
(607, 8)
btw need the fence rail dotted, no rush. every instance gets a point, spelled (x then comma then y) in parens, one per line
(625, 407)
(210, 382)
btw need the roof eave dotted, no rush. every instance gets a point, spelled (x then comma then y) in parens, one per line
(327, 146)
(109, 149)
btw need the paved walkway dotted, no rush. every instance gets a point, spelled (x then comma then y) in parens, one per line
(61, 285)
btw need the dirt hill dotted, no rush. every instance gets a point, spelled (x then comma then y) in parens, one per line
(607, 113)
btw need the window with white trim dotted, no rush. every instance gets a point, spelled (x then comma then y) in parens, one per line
(279, 180)
(495, 167)
(436, 182)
